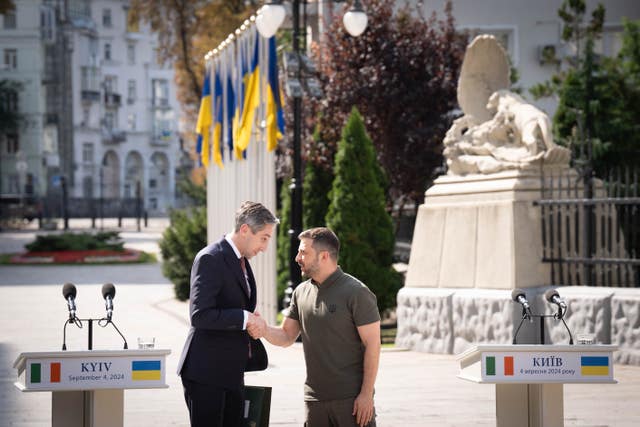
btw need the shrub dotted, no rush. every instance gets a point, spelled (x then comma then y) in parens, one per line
(186, 235)
(357, 214)
(109, 240)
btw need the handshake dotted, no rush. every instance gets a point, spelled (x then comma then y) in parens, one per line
(256, 325)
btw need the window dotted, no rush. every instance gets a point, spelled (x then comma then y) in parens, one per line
(160, 88)
(152, 183)
(131, 91)
(106, 18)
(111, 84)
(131, 119)
(162, 121)
(13, 144)
(89, 79)
(131, 53)
(107, 51)
(47, 23)
(109, 120)
(10, 20)
(87, 152)
(87, 187)
(9, 101)
(10, 59)
(85, 117)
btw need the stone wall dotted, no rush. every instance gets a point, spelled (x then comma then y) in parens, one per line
(450, 320)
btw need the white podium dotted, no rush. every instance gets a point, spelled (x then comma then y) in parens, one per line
(529, 378)
(88, 386)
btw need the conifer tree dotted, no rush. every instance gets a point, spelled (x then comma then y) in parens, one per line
(358, 217)
(284, 242)
(316, 185)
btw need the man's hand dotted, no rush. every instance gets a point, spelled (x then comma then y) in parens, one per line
(363, 408)
(256, 325)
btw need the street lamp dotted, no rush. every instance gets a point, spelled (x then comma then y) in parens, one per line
(269, 19)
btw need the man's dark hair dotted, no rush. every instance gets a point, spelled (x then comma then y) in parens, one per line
(255, 215)
(323, 239)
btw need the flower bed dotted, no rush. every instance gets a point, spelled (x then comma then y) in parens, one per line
(92, 256)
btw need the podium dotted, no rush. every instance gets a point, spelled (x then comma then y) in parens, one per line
(529, 378)
(88, 386)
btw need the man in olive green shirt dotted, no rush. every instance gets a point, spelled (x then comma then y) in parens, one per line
(339, 321)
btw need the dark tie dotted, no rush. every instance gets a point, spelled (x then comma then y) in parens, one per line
(243, 265)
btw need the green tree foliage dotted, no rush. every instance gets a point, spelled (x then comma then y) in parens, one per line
(283, 258)
(357, 214)
(316, 185)
(179, 245)
(598, 107)
(402, 74)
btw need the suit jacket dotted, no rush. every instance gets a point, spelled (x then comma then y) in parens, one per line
(217, 350)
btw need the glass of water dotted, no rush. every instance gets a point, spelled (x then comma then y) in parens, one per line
(146, 343)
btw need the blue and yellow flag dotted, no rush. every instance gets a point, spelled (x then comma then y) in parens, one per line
(231, 108)
(251, 100)
(203, 126)
(239, 97)
(217, 125)
(275, 116)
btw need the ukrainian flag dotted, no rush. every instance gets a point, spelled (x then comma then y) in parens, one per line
(231, 108)
(204, 121)
(251, 100)
(145, 370)
(594, 365)
(275, 117)
(217, 126)
(239, 98)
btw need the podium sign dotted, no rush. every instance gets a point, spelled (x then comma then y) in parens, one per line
(547, 366)
(529, 378)
(88, 386)
(82, 370)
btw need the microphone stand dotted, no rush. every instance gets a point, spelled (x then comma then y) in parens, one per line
(557, 316)
(101, 322)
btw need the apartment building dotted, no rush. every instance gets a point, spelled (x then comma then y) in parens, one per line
(99, 111)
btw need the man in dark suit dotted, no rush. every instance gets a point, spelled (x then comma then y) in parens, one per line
(218, 349)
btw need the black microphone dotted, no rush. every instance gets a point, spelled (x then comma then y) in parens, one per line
(69, 294)
(520, 297)
(108, 293)
(554, 297)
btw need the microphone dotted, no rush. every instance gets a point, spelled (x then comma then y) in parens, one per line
(520, 297)
(69, 293)
(554, 297)
(108, 293)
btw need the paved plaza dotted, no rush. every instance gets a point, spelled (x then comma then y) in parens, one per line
(413, 389)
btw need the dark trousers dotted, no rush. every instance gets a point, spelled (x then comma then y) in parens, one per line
(212, 406)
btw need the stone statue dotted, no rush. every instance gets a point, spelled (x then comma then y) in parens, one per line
(499, 129)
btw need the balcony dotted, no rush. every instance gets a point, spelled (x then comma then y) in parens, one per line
(161, 139)
(113, 136)
(160, 103)
(112, 100)
(90, 95)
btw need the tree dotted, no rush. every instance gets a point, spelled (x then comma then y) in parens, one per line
(401, 73)
(283, 257)
(315, 189)
(597, 114)
(358, 217)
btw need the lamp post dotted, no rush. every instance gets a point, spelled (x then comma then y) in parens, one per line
(269, 19)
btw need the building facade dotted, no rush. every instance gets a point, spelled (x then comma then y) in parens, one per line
(100, 114)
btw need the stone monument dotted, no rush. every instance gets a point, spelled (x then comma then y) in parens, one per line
(478, 232)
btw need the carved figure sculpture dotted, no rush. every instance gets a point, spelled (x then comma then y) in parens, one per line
(499, 129)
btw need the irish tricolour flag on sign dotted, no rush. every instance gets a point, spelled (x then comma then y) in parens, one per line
(502, 365)
(42, 373)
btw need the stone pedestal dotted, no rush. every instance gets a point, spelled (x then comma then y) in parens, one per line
(480, 231)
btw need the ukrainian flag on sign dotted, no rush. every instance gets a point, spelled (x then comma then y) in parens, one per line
(145, 370)
(217, 125)
(594, 365)
(251, 100)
